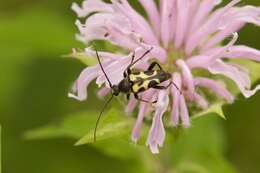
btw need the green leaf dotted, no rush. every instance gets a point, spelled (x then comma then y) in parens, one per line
(74, 126)
(81, 125)
(214, 108)
(201, 149)
(0, 149)
(114, 124)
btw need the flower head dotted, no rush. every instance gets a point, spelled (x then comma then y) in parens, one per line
(185, 35)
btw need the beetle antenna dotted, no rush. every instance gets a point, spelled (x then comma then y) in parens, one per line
(97, 122)
(145, 53)
(176, 87)
(110, 84)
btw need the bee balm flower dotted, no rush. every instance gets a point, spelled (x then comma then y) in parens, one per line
(185, 35)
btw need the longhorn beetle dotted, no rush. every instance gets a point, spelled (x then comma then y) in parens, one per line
(136, 82)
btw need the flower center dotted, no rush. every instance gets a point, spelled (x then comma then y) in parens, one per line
(172, 56)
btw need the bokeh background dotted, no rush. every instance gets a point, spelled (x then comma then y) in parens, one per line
(34, 81)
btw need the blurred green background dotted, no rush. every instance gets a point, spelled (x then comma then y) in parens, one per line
(34, 82)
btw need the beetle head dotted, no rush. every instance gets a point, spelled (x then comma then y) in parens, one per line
(116, 90)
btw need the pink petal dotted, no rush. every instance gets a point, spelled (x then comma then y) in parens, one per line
(153, 14)
(209, 57)
(205, 8)
(90, 6)
(176, 98)
(187, 78)
(142, 109)
(241, 78)
(242, 51)
(103, 92)
(201, 101)
(213, 24)
(221, 35)
(108, 26)
(109, 55)
(86, 76)
(138, 23)
(166, 17)
(247, 14)
(131, 105)
(194, 5)
(157, 52)
(199, 61)
(114, 71)
(184, 112)
(182, 21)
(215, 87)
(157, 133)
(173, 20)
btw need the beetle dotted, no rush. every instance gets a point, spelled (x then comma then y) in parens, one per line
(136, 82)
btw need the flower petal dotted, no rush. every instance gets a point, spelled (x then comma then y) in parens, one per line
(109, 26)
(187, 78)
(184, 112)
(157, 52)
(242, 51)
(90, 6)
(114, 71)
(86, 76)
(212, 25)
(241, 78)
(201, 101)
(221, 35)
(142, 109)
(173, 20)
(166, 17)
(232, 21)
(153, 14)
(211, 55)
(131, 105)
(157, 132)
(109, 55)
(215, 87)
(182, 21)
(205, 8)
(137, 21)
(103, 92)
(176, 97)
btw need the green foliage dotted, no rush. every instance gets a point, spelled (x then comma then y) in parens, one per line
(212, 109)
(0, 149)
(201, 149)
(198, 150)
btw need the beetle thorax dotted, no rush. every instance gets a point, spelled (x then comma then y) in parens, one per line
(124, 86)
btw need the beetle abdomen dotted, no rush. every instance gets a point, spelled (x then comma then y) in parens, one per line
(147, 79)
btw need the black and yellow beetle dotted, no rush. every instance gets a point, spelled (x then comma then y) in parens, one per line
(136, 82)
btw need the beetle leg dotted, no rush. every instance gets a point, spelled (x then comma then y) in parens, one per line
(165, 87)
(153, 65)
(146, 101)
(160, 87)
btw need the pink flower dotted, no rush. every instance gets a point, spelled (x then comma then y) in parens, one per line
(185, 35)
